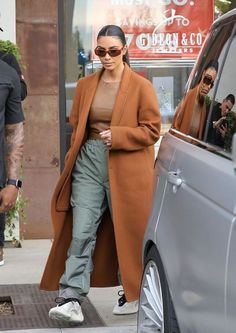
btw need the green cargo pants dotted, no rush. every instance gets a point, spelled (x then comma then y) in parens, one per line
(89, 199)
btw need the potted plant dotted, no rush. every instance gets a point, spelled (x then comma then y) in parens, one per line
(14, 217)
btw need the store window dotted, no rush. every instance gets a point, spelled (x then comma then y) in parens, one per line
(163, 45)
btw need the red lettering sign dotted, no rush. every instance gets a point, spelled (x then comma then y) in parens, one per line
(157, 29)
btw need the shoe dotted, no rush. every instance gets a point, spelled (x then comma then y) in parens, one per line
(123, 307)
(68, 310)
(1, 257)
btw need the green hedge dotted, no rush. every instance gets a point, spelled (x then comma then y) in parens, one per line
(9, 47)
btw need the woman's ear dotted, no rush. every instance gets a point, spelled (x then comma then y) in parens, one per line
(125, 48)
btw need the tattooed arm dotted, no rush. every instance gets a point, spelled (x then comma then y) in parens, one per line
(14, 136)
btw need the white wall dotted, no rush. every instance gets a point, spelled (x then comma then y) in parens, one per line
(8, 20)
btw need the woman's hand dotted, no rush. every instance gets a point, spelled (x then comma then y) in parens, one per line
(106, 137)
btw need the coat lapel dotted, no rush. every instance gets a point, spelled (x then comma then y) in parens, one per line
(89, 94)
(121, 96)
(86, 103)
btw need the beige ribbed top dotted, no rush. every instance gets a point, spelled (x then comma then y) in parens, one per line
(101, 109)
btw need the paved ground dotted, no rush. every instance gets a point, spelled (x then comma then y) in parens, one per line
(25, 265)
(123, 329)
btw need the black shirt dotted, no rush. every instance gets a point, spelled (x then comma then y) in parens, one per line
(214, 135)
(10, 106)
(10, 59)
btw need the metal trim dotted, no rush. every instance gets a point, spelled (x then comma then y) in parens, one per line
(62, 93)
(201, 144)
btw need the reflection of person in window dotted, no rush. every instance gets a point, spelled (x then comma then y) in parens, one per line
(190, 115)
(218, 122)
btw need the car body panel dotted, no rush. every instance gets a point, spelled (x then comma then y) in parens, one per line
(195, 257)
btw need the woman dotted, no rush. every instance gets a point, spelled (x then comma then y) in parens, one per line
(109, 168)
(190, 115)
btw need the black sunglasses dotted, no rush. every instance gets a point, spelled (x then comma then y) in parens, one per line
(208, 81)
(112, 52)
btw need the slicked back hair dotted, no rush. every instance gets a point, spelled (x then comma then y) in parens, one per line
(115, 31)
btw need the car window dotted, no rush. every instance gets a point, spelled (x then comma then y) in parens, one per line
(192, 112)
(222, 116)
(214, 48)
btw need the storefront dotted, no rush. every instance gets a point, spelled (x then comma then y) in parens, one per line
(164, 38)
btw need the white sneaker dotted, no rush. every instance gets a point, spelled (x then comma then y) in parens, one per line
(123, 307)
(68, 310)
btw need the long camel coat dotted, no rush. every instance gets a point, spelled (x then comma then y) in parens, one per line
(135, 127)
(184, 113)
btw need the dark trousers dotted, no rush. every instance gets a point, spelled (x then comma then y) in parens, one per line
(2, 228)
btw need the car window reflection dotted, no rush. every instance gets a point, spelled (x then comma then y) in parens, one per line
(221, 124)
(191, 114)
(222, 121)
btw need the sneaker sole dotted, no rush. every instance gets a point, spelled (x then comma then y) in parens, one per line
(58, 316)
(124, 313)
(2, 263)
(61, 316)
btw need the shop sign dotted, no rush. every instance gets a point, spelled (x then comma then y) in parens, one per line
(8, 20)
(157, 29)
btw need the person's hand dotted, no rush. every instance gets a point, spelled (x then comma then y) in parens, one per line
(8, 196)
(221, 126)
(222, 129)
(106, 137)
(218, 123)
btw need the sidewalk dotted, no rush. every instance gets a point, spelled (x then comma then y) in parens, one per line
(124, 329)
(25, 266)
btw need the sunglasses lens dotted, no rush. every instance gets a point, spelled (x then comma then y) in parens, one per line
(103, 52)
(114, 53)
(100, 52)
(208, 81)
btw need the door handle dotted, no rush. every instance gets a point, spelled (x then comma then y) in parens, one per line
(174, 179)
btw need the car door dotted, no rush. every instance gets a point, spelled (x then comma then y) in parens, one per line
(197, 215)
(193, 233)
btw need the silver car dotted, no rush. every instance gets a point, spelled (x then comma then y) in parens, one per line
(189, 250)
